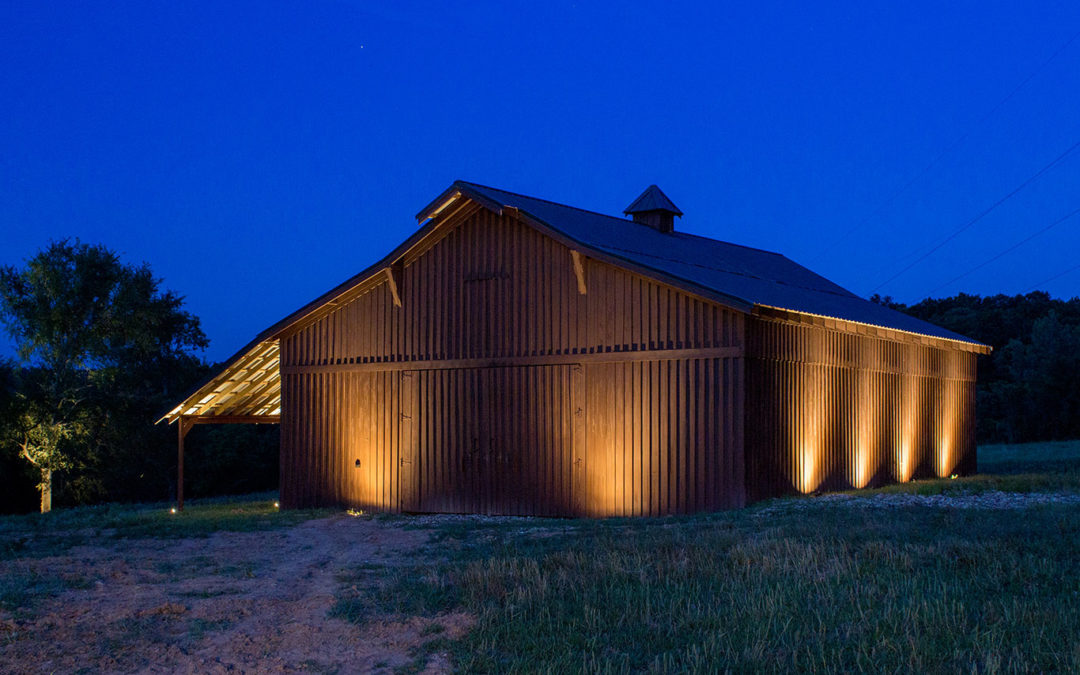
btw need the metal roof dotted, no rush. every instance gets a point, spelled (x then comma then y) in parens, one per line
(754, 276)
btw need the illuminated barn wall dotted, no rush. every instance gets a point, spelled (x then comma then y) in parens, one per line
(498, 387)
(489, 364)
(835, 409)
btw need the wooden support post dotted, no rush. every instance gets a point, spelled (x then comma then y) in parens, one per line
(579, 271)
(183, 427)
(393, 276)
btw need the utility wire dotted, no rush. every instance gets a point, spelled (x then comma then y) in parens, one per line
(1012, 248)
(985, 212)
(1053, 278)
(952, 146)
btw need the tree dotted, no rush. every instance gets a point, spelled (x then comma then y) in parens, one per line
(83, 321)
(40, 436)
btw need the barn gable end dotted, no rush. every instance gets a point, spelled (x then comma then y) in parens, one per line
(498, 386)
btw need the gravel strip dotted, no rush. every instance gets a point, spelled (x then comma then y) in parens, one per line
(986, 500)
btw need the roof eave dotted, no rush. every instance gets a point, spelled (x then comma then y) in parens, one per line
(450, 194)
(966, 344)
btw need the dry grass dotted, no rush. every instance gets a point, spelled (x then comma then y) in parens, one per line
(824, 587)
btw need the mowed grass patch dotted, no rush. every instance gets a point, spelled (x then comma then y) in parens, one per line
(1055, 457)
(37, 535)
(1027, 467)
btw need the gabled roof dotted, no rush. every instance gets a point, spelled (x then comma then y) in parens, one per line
(738, 276)
(749, 275)
(653, 199)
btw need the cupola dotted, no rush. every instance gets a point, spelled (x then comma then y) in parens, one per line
(653, 208)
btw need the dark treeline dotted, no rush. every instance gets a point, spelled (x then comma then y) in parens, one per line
(126, 457)
(103, 353)
(1029, 387)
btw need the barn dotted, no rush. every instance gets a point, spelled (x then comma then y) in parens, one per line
(520, 356)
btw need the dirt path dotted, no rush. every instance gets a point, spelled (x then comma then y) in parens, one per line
(233, 602)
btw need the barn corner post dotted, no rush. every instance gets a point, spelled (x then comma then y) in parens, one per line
(183, 426)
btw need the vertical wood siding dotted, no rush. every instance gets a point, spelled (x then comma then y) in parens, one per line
(662, 437)
(646, 437)
(830, 410)
(493, 287)
(489, 440)
(340, 440)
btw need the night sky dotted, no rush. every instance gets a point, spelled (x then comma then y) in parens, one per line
(257, 154)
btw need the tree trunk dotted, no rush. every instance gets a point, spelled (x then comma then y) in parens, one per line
(46, 490)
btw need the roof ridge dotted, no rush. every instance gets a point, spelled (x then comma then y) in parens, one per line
(548, 201)
(680, 233)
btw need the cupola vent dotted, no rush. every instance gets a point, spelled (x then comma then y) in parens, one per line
(653, 208)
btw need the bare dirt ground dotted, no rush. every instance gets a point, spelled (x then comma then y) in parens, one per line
(252, 602)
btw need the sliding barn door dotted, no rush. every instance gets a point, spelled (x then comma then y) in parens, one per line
(488, 440)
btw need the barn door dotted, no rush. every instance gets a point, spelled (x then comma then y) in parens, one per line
(528, 428)
(490, 440)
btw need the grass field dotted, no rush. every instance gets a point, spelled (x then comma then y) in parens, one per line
(820, 587)
(35, 534)
(795, 584)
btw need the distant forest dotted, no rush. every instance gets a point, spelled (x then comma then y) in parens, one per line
(1029, 387)
(1027, 391)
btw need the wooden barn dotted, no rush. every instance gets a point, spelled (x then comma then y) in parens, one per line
(519, 356)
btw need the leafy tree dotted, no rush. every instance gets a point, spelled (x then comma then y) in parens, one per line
(90, 326)
(40, 436)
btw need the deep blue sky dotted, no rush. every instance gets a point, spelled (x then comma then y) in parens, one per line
(256, 154)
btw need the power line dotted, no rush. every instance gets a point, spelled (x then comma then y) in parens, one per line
(952, 146)
(1053, 278)
(1012, 248)
(985, 212)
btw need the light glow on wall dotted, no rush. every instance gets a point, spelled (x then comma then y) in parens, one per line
(866, 406)
(810, 470)
(862, 467)
(949, 432)
(910, 421)
(905, 461)
(944, 457)
(808, 466)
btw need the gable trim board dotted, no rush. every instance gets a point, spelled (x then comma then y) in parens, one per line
(596, 272)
